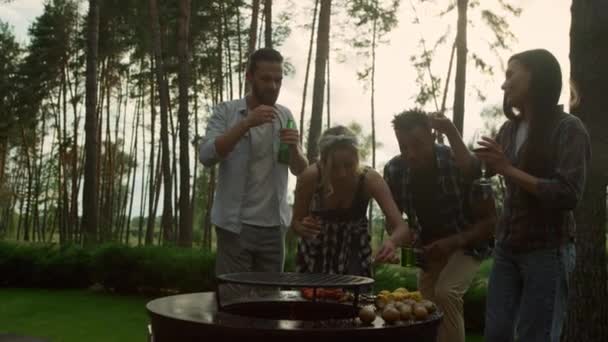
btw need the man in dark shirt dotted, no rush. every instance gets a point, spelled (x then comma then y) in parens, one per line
(453, 219)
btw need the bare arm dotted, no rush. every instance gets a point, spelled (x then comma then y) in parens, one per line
(379, 190)
(301, 222)
(400, 234)
(297, 161)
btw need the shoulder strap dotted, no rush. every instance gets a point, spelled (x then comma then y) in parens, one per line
(359, 195)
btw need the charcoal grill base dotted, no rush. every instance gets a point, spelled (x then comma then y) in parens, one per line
(194, 317)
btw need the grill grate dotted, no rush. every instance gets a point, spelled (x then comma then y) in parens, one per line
(292, 279)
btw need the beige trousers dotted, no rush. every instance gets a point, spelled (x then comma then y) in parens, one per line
(445, 282)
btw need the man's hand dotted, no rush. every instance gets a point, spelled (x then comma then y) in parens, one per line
(442, 124)
(290, 136)
(443, 248)
(308, 228)
(260, 115)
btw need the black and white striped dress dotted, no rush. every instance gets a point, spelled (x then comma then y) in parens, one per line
(344, 244)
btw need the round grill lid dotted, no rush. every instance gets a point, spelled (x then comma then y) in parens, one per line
(292, 279)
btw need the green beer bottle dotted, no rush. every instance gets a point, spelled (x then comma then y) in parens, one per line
(407, 257)
(283, 156)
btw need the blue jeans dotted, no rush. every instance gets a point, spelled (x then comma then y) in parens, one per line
(527, 294)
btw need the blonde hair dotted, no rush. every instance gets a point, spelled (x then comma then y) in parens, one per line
(333, 138)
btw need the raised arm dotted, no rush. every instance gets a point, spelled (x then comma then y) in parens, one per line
(463, 158)
(220, 139)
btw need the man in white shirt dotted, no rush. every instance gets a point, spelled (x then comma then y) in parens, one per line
(250, 207)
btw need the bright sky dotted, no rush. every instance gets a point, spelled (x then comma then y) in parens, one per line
(395, 82)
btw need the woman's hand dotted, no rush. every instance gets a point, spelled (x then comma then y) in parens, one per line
(308, 228)
(386, 252)
(493, 155)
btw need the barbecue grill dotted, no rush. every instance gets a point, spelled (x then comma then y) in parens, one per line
(296, 280)
(285, 315)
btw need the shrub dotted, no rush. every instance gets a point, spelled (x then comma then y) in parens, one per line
(117, 268)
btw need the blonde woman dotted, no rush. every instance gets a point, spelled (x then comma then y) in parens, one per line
(330, 209)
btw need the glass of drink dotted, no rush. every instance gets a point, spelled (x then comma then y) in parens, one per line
(477, 137)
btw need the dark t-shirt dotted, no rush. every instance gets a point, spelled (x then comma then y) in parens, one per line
(425, 190)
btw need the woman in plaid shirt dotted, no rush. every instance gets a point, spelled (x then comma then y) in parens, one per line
(543, 154)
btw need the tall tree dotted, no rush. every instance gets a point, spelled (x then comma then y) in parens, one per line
(494, 16)
(376, 18)
(461, 65)
(308, 59)
(9, 59)
(316, 118)
(268, 23)
(588, 321)
(253, 33)
(90, 209)
(163, 89)
(185, 222)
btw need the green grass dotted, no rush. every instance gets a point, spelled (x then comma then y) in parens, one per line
(78, 315)
(474, 338)
(72, 315)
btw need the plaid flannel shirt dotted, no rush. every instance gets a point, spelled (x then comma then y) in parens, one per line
(455, 195)
(558, 193)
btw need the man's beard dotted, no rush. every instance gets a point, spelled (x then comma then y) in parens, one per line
(265, 98)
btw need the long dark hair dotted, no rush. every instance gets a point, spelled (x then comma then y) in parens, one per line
(544, 91)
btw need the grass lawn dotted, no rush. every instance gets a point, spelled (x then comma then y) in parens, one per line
(72, 315)
(78, 315)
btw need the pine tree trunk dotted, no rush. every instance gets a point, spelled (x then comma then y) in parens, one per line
(319, 81)
(240, 47)
(228, 48)
(38, 185)
(268, 23)
(144, 194)
(152, 172)
(308, 59)
(195, 173)
(373, 108)
(65, 161)
(61, 203)
(587, 316)
(207, 221)
(29, 180)
(253, 33)
(3, 153)
(185, 210)
(461, 65)
(167, 219)
(108, 183)
(75, 158)
(133, 171)
(174, 134)
(328, 98)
